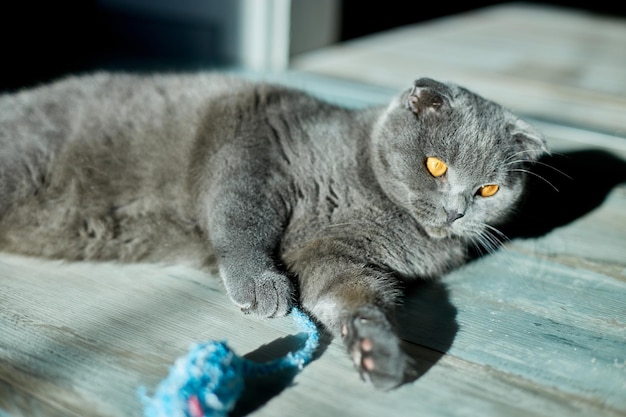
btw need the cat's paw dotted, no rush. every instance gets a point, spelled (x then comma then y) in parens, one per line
(375, 350)
(268, 295)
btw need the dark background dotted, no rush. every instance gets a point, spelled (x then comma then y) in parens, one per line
(44, 39)
(400, 12)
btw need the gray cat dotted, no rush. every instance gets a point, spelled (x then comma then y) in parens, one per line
(297, 200)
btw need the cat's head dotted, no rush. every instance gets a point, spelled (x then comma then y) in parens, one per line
(453, 159)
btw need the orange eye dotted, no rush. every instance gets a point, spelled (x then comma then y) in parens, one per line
(488, 190)
(436, 166)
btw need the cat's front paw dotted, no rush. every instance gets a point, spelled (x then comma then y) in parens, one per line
(269, 294)
(375, 349)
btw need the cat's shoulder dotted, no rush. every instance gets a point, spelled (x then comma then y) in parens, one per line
(107, 83)
(200, 85)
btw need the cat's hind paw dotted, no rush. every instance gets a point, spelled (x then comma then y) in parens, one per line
(268, 295)
(375, 350)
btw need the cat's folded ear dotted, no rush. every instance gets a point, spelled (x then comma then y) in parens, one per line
(428, 95)
(528, 139)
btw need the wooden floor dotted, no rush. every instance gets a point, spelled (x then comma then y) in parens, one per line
(536, 329)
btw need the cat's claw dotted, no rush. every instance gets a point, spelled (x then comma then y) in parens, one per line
(375, 350)
(267, 295)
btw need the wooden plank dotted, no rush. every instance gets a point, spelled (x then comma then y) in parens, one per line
(81, 338)
(453, 387)
(105, 336)
(555, 326)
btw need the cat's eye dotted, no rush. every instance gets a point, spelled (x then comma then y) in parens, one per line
(488, 190)
(435, 166)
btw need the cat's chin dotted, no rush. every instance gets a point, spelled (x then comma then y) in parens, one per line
(438, 232)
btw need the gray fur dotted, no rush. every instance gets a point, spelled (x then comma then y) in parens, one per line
(277, 186)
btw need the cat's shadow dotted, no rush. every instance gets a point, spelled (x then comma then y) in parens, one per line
(427, 324)
(562, 188)
(260, 389)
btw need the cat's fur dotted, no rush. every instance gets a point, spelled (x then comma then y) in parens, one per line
(293, 196)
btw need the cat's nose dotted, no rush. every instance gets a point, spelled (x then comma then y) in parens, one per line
(453, 215)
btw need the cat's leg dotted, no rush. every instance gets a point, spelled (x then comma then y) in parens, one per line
(7, 188)
(13, 177)
(20, 176)
(355, 302)
(246, 219)
(29, 138)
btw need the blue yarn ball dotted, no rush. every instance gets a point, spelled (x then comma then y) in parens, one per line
(209, 380)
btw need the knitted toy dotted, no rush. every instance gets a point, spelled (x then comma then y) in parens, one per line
(208, 381)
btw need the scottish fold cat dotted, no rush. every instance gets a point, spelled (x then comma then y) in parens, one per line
(295, 199)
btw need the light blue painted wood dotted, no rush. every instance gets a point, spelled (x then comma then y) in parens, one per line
(553, 325)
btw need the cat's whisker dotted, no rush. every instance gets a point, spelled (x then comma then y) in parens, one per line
(510, 157)
(485, 241)
(538, 176)
(555, 169)
(521, 161)
(477, 244)
(477, 247)
(502, 236)
(492, 243)
(488, 238)
(516, 162)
